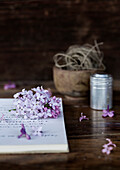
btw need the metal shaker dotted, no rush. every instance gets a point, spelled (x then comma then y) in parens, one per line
(101, 91)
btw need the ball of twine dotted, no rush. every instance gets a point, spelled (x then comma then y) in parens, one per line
(85, 57)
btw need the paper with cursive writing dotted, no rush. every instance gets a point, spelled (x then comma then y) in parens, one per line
(53, 138)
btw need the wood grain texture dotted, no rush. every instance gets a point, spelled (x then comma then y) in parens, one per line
(85, 138)
(31, 32)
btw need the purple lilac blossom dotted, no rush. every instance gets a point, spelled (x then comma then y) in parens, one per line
(107, 148)
(23, 132)
(36, 103)
(9, 86)
(83, 117)
(108, 113)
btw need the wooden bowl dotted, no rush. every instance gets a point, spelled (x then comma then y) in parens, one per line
(72, 83)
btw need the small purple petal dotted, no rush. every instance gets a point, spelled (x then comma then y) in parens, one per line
(104, 150)
(114, 145)
(81, 114)
(105, 145)
(107, 148)
(109, 140)
(111, 114)
(23, 132)
(83, 117)
(107, 113)
(20, 135)
(108, 152)
(110, 148)
(28, 136)
(9, 86)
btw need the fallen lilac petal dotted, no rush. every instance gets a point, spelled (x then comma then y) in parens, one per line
(83, 117)
(20, 135)
(114, 145)
(111, 114)
(109, 140)
(28, 136)
(108, 152)
(81, 114)
(105, 145)
(107, 148)
(24, 133)
(107, 113)
(9, 86)
(110, 148)
(104, 150)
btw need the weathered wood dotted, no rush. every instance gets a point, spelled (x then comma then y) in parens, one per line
(85, 138)
(31, 32)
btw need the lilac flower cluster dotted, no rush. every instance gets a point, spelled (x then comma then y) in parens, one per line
(107, 148)
(36, 103)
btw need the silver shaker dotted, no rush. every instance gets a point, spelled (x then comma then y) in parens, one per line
(101, 91)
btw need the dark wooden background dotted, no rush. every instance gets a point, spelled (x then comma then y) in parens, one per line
(32, 31)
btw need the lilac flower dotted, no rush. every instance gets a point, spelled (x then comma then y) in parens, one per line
(24, 133)
(107, 148)
(9, 86)
(83, 117)
(37, 131)
(108, 113)
(36, 103)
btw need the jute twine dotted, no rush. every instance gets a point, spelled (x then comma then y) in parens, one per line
(85, 57)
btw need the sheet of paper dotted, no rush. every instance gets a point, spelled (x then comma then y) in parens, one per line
(53, 129)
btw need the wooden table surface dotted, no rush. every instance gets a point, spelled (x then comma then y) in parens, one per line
(85, 138)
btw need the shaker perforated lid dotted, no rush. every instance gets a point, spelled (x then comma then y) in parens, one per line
(101, 78)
